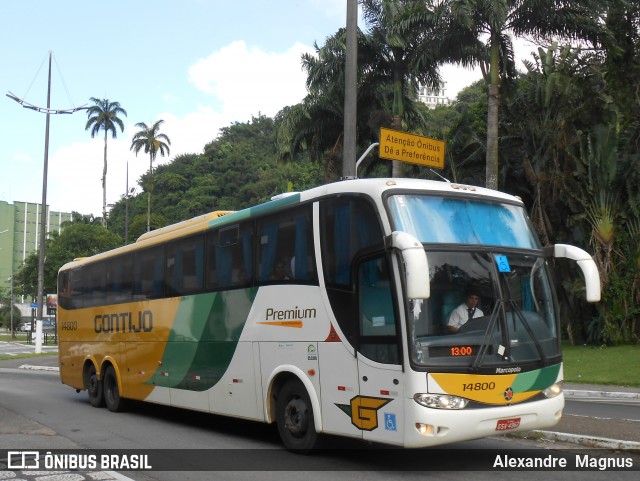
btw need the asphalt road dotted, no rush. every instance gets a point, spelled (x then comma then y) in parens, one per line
(36, 411)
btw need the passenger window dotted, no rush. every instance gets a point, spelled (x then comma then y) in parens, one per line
(230, 257)
(149, 274)
(348, 226)
(77, 284)
(119, 279)
(285, 248)
(64, 290)
(185, 267)
(95, 293)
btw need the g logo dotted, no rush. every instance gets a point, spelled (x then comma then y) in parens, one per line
(363, 411)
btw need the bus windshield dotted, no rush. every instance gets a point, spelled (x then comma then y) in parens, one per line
(491, 303)
(513, 318)
(440, 220)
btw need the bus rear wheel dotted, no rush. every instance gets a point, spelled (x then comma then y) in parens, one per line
(294, 416)
(93, 385)
(111, 392)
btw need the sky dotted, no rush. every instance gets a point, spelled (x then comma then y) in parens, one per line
(199, 65)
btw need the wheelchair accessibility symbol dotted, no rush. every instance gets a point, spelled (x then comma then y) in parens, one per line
(390, 422)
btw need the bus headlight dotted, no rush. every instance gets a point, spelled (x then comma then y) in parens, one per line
(553, 390)
(440, 401)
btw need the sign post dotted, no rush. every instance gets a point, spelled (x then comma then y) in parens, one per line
(415, 149)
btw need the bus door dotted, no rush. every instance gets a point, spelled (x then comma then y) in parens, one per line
(379, 409)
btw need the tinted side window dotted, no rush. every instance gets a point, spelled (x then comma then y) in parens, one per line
(77, 286)
(285, 247)
(95, 293)
(230, 257)
(185, 267)
(119, 279)
(149, 274)
(64, 290)
(348, 226)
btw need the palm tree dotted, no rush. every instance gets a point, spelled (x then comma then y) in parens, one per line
(104, 115)
(406, 56)
(480, 32)
(392, 61)
(153, 142)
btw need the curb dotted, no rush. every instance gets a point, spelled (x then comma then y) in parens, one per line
(39, 368)
(577, 394)
(589, 441)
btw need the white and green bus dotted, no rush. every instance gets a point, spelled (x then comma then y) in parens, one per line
(326, 311)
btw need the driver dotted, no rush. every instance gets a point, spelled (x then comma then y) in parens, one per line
(466, 311)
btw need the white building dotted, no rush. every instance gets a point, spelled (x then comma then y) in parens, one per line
(433, 97)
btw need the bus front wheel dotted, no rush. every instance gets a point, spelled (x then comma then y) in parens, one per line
(93, 385)
(111, 392)
(294, 416)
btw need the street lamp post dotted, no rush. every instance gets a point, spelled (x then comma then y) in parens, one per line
(128, 194)
(43, 217)
(351, 93)
(13, 332)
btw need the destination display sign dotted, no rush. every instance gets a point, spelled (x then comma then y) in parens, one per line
(412, 148)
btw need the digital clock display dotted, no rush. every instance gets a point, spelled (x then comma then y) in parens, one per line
(452, 351)
(462, 350)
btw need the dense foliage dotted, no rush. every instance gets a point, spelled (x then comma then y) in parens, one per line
(236, 170)
(79, 239)
(569, 146)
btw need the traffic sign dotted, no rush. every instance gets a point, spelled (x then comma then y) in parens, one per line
(415, 149)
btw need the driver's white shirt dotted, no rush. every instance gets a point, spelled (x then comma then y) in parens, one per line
(460, 315)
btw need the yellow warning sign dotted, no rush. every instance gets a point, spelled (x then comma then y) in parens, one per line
(415, 149)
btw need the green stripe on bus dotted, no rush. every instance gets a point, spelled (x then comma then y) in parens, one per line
(265, 208)
(217, 320)
(536, 380)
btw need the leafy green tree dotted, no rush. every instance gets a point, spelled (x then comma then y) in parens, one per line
(104, 115)
(5, 317)
(480, 32)
(406, 56)
(541, 119)
(622, 63)
(602, 170)
(237, 170)
(75, 240)
(314, 128)
(392, 61)
(149, 139)
(463, 126)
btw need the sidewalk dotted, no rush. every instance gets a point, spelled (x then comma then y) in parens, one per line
(582, 430)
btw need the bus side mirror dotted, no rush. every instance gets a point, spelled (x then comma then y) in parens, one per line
(586, 264)
(416, 266)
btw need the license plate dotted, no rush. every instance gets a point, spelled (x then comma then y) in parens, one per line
(506, 424)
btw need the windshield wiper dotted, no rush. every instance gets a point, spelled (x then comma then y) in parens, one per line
(484, 346)
(518, 312)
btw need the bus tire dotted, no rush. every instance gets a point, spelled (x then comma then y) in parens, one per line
(93, 385)
(111, 392)
(294, 417)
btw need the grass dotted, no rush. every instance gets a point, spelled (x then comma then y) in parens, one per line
(617, 365)
(20, 337)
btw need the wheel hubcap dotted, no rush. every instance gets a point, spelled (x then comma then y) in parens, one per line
(295, 419)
